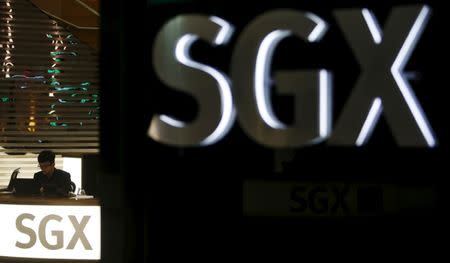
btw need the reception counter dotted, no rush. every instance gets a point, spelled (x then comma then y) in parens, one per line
(46, 229)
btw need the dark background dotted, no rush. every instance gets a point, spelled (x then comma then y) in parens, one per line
(166, 204)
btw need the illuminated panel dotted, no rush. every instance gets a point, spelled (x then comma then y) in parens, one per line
(52, 232)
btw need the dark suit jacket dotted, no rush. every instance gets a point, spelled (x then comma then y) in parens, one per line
(58, 184)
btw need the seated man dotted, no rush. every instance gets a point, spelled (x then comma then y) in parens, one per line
(52, 181)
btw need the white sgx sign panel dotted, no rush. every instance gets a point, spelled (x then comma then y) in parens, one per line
(53, 232)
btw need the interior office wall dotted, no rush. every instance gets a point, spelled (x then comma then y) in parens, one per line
(48, 85)
(28, 165)
(73, 166)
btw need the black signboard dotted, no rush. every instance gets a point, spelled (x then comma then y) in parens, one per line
(247, 198)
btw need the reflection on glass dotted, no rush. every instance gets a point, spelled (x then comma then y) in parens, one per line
(9, 45)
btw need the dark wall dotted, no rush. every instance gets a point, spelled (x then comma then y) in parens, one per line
(193, 198)
(91, 169)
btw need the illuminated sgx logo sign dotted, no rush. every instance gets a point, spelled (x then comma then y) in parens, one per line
(381, 87)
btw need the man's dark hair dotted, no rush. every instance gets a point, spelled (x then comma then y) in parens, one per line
(46, 156)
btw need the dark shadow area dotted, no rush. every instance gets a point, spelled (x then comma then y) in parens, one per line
(165, 204)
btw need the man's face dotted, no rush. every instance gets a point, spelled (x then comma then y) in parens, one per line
(47, 167)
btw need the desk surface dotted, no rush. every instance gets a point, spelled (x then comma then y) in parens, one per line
(41, 200)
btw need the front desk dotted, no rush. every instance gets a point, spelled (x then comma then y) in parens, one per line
(44, 229)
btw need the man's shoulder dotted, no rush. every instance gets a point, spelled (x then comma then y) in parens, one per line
(38, 174)
(62, 173)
